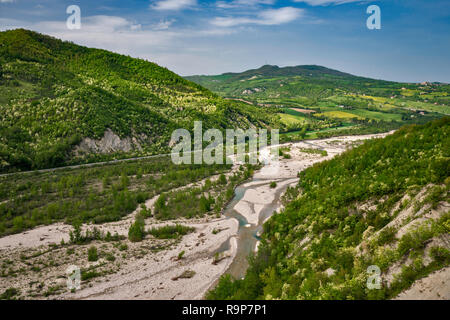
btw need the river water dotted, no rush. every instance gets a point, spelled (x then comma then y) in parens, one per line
(247, 236)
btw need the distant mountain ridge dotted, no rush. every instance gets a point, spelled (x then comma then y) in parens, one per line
(309, 77)
(300, 70)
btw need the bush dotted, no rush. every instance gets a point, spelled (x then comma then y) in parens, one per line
(136, 232)
(92, 254)
(170, 232)
(441, 255)
(273, 184)
(222, 179)
(9, 293)
(205, 204)
(386, 236)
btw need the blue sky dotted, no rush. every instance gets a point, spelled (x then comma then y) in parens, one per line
(211, 37)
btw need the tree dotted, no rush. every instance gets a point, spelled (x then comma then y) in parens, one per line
(136, 232)
(92, 254)
(303, 132)
(222, 179)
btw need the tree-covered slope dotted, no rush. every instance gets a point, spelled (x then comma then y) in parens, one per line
(384, 203)
(53, 94)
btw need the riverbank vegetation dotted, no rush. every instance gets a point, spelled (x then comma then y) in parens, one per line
(93, 194)
(196, 201)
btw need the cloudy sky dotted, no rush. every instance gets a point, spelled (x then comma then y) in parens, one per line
(212, 37)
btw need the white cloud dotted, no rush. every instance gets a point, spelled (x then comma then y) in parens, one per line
(281, 15)
(158, 43)
(107, 32)
(242, 3)
(326, 2)
(6, 1)
(265, 17)
(173, 4)
(163, 24)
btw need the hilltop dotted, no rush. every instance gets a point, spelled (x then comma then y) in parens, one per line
(62, 103)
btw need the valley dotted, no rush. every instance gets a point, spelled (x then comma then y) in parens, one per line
(184, 266)
(317, 102)
(359, 181)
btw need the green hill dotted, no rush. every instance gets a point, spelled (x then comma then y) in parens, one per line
(329, 102)
(384, 203)
(55, 94)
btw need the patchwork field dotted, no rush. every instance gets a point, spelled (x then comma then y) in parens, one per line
(323, 100)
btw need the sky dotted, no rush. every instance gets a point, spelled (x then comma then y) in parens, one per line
(212, 37)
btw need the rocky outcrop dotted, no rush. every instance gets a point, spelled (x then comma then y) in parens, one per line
(110, 142)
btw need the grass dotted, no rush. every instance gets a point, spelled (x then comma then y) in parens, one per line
(323, 153)
(339, 115)
(289, 119)
(367, 114)
(170, 231)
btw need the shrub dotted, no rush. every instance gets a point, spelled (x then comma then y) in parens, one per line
(110, 256)
(9, 293)
(386, 236)
(441, 255)
(92, 254)
(170, 232)
(273, 184)
(222, 179)
(136, 232)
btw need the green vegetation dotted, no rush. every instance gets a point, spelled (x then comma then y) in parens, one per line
(170, 231)
(284, 152)
(78, 237)
(317, 102)
(197, 201)
(323, 153)
(53, 94)
(187, 274)
(136, 232)
(325, 223)
(9, 294)
(180, 255)
(94, 194)
(92, 253)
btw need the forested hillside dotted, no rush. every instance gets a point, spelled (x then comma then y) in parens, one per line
(54, 94)
(384, 203)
